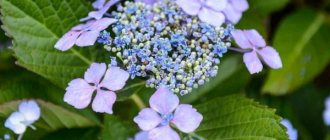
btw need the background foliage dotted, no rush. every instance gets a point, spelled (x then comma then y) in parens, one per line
(30, 68)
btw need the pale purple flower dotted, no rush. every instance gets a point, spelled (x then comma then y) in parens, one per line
(253, 41)
(165, 109)
(28, 112)
(100, 79)
(83, 34)
(291, 131)
(142, 135)
(326, 113)
(235, 9)
(209, 11)
(101, 7)
(150, 2)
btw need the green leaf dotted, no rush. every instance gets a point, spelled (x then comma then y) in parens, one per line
(302, 41)
(116, 129)
(73, 134)
(35, 26)
(236, 117)
(266, 7)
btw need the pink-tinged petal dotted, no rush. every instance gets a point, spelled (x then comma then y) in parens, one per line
(67, 41)
(149, 2)
(114, 79)
(30, 110)
(241, 40)
(104, 101)
(79, 93)
(271, 57)
(98, 4)
(99, 14)
(147, 119)
(186, 118)
(163, 133)
(102, 24)
(87, 38)
(95, 73)
(217, 5)
(232, 15)
(255, 38)
(252, 62)
(211, 17)
(191, 7)
(142, 135)
(240, 5)
(164, 101)
(14, 123)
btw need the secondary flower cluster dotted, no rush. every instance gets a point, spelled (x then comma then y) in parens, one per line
(28, 112)
(167, 46)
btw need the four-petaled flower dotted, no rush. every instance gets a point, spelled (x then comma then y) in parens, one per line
(102, 7)
(209, 11)
(156, 120)
(28, 112)
(83, 34)
(234, 10)
(97, 78)
(256, 48)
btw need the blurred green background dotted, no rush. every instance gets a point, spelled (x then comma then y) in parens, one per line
(298, 29)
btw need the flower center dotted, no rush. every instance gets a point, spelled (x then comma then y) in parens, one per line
(166, 119)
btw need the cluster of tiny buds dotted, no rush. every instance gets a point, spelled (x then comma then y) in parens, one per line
(166, 46)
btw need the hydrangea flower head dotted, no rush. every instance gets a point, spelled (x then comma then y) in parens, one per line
(83, 34)
(102, 7)
(28, 112)
(291, 131)
(252, 41)
(165, 110)
(162, 43)
(209, 11)
(234, 10)
(100, 79)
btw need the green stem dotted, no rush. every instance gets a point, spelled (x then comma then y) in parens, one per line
(138, 101)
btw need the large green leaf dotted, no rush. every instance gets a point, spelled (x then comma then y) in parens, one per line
(117, 129)
(73, 134)
(35, 26)
(238, 118)
(302, 41)
(265, 7)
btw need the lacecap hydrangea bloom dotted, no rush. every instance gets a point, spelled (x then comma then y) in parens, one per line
(28, 112)
(166, 110)
(174, 45)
